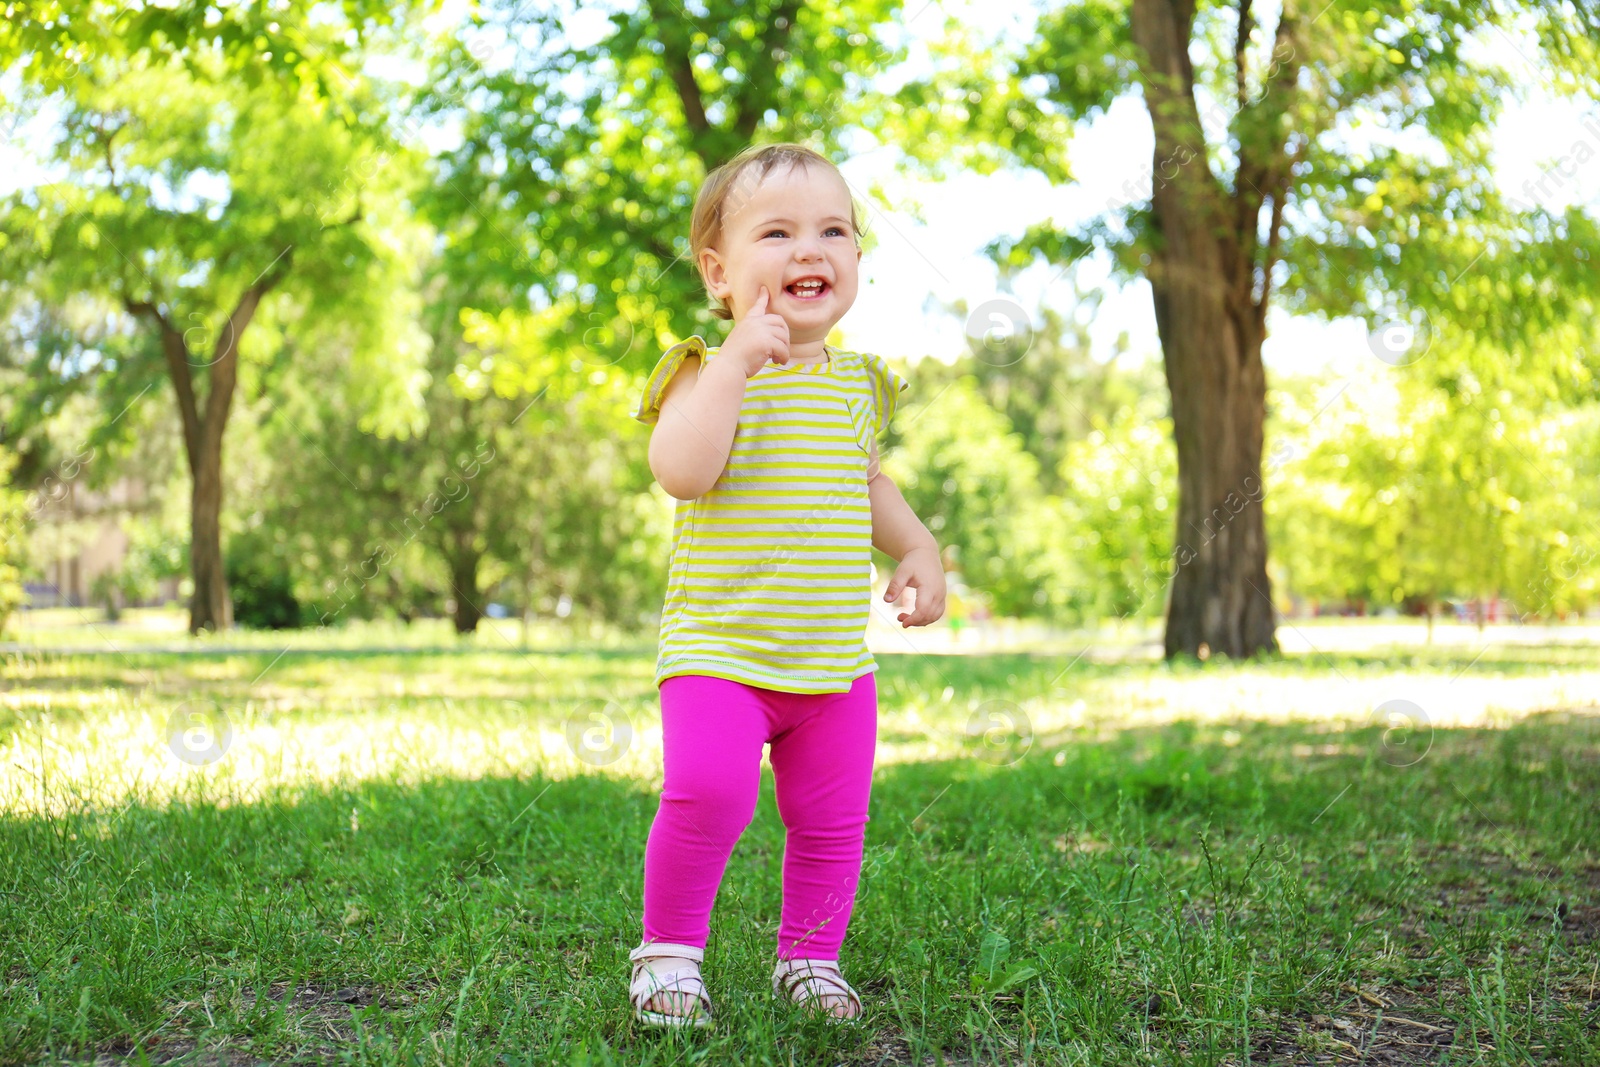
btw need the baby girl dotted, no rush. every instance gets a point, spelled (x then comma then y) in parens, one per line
(769, 444)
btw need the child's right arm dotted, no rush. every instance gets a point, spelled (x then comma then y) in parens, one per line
(699, 412)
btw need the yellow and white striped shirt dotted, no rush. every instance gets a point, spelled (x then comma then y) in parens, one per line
(769, 580)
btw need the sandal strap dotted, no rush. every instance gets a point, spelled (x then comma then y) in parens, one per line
(795, 978)
(647, 983)
(666, 948)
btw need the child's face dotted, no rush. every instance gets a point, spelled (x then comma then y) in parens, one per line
(794, 225)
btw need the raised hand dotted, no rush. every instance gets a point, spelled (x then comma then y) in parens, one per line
(759, 336)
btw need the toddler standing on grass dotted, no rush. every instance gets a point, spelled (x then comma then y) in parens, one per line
(769, 444)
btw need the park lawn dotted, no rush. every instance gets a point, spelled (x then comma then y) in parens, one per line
(400, 858)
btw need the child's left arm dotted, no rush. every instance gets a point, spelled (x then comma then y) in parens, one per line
(897, 532)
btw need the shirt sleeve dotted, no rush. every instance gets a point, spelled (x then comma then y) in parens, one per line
(886, 389)
(655, 386)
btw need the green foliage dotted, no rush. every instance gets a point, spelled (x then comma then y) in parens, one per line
(1411, 490)
(1088, 522)
(585, 162)
(1081, 57)
(1043, 378)
(1343, 159)
(261, 585)
(1397, 488)
(280, 42)
(293, 177)
(492, 313)
(1121, 508)
(1372, 225)
(967, 476)
(212, 176)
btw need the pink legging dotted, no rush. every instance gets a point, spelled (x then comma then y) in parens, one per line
(822, 751)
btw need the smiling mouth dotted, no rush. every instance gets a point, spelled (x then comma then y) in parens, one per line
(812, 289)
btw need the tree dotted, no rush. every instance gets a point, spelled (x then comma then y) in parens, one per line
(581, 163)
(562, 463)
(1119, 511)
(1259, 193)
(154, 118)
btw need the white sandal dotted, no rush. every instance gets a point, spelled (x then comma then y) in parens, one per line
(685, 979)
(806, 982)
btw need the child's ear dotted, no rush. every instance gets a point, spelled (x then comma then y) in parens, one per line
(716, 278)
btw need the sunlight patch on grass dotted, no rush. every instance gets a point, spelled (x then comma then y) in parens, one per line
(1467, 701)
(1098, 707)
(303, 722)
(128, 756)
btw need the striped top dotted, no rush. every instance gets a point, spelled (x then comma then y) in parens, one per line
(769, 580)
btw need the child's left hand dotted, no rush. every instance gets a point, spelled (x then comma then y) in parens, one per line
(922, 571)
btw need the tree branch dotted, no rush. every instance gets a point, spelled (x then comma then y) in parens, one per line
(1263, 170)
(1161, 31)
(225, 362)
(680, 68)
(355, 216)
(1280, 194)
(1240, 46)
(176, 352)
(1270, 260)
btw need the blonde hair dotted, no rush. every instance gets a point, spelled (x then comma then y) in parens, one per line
(738, 179)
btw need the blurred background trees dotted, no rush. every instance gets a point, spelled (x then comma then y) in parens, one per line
(368, 333)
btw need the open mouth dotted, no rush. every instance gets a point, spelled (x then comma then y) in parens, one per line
(808, 289)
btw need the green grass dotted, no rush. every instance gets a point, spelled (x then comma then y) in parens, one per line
(400, 859)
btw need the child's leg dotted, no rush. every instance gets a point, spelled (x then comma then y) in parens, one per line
(822, 760)
(712, 731)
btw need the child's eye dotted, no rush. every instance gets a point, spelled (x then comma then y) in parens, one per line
(831, 229)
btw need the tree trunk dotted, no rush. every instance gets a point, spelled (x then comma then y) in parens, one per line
(1221, 599)
(210, 607)
(205, 423)
(464, 591)
(1211, 275)
(204, 426)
